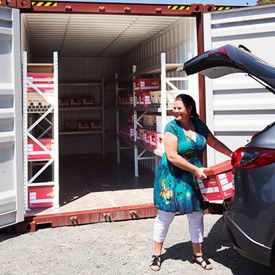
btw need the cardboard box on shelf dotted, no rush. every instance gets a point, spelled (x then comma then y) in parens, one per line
(83, 125)
(40, 196)
(43, 81)
(153, 139)
(145, 100)
(88, 101)
(96, 125)
(63, 102)
(147, 138)
(149, 122)
(219, 183)
(36, 152)
(70, 125)
(76, 102)
(146, 84)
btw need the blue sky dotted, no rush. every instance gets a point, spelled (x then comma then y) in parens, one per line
(182, 2)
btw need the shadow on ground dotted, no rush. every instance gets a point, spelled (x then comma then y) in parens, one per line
(218, 247)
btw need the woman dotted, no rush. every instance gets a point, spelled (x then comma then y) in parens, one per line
(175, 187)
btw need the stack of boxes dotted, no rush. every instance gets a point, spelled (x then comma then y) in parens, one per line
(127, 129)
(142, 88)
(219, 183)
(148, 94)
(82, 125)
(87, 101)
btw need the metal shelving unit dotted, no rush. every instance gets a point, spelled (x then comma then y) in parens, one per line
(40, 123)
(126, 110)
(100, 108)
(140, 150)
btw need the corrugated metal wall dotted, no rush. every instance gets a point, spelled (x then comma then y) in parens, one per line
(179, 42)
(237, 106)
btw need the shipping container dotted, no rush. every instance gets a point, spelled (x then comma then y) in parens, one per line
(99, 46)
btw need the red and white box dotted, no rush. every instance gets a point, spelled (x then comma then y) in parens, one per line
(146, 84)
(43, 81)
(88, 101)
(146, 100)
(64, 102)
(83, 125)
(147, 138)
(36, 152)
(76, 102)
(219, 183)
(96, 125)
(41, 196)
(153, 139)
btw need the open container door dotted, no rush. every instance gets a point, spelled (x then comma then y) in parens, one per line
(11, 144)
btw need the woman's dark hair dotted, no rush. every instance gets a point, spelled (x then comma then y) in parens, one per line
(188, 101)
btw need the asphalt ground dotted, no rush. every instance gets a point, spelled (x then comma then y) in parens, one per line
(120, 248)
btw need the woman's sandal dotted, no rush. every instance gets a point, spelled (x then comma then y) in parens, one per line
(156, 262)
(202, 261)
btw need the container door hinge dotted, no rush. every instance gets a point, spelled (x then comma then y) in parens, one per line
(22, 4)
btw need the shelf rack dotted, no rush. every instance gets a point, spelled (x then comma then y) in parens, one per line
(100, 107)
(33, 120)
(138, 112)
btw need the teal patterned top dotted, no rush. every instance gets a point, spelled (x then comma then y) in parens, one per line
(176, 190)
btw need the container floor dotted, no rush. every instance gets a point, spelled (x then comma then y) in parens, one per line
(95, 183)
(81, 175)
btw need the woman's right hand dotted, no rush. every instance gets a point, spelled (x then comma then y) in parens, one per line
(199, 173)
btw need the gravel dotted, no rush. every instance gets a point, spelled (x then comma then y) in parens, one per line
(119, 248)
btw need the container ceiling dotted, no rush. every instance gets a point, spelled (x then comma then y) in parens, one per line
(82, 35)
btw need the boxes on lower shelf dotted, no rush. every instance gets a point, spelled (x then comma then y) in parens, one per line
(70, 125)
(218, 185)
(41, 196)
(84, 125)
(96, 125)
(76, 102)
(88, 101)
(36, 152)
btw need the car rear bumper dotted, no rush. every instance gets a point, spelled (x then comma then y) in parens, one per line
(246, 246)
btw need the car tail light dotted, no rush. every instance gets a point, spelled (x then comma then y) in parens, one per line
(252, 157)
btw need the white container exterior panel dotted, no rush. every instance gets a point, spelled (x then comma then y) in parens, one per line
(11, 147)
(236, 105)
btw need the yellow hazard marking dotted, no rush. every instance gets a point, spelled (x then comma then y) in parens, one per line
(222, 8)
(44, 4)
(178, 8)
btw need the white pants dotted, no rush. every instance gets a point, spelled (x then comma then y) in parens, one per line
(164, 219)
